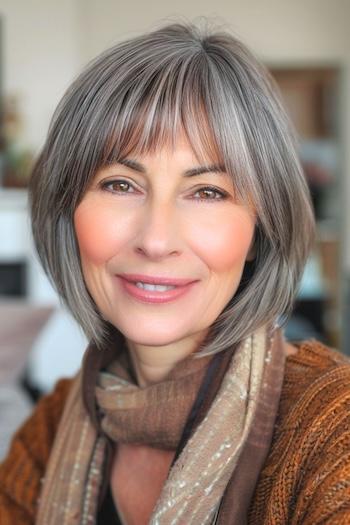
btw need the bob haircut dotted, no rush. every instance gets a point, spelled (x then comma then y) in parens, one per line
(133, 98)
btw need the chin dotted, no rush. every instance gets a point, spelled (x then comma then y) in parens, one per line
(156, 337)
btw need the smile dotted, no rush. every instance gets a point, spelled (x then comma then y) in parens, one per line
(154, 293)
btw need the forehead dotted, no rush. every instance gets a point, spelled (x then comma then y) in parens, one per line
(199, 148)
(179, 148)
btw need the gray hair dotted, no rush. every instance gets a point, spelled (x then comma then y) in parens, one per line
(133, 98)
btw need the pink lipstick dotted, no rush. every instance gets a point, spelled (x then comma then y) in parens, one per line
(155, 289)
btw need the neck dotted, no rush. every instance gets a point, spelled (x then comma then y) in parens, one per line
(153, 363)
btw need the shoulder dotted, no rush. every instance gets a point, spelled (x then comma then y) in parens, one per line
(316, 376)
(22, 470)
(315, 396)
(307, 472)
(315, 399)
(315, 355)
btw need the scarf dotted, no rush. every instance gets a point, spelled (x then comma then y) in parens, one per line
(216, 467)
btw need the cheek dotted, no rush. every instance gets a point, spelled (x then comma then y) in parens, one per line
(98, 232)
(224, 243)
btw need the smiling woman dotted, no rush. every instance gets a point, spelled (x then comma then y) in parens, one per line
(139, 97)
(170, 211)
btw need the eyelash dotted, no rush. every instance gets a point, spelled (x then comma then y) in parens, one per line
(222, 194)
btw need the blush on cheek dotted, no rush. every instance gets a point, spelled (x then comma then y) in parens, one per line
(226, 246)
(99, 235)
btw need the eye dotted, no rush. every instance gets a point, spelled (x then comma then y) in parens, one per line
(117, 186)
(120, 186)
(210, 193)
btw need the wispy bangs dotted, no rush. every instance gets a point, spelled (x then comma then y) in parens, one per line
(156, 110)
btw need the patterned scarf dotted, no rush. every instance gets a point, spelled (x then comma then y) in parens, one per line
(215, 471)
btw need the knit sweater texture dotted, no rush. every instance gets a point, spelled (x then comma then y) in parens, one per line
(306, 476)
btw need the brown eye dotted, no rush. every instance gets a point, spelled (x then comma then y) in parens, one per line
(210, 194)
(117, 186)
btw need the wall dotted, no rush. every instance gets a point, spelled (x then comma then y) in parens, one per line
(277, 29)
(40, 56)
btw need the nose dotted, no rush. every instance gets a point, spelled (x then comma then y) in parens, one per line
(158, 234)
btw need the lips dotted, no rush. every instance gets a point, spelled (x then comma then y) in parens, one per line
(128, 285)
(148, 279)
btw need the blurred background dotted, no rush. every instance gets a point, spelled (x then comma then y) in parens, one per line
(43, 46)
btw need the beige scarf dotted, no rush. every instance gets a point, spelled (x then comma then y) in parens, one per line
(233, 435)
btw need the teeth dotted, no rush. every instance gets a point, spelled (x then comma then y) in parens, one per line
(154, 287)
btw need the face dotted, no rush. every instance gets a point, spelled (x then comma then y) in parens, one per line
(163, 218)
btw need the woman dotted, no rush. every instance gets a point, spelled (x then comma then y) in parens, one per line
(170, 212)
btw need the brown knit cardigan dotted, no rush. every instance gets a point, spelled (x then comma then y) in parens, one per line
(306, 476)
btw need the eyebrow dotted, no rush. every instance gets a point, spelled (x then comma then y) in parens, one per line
(211, 168)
